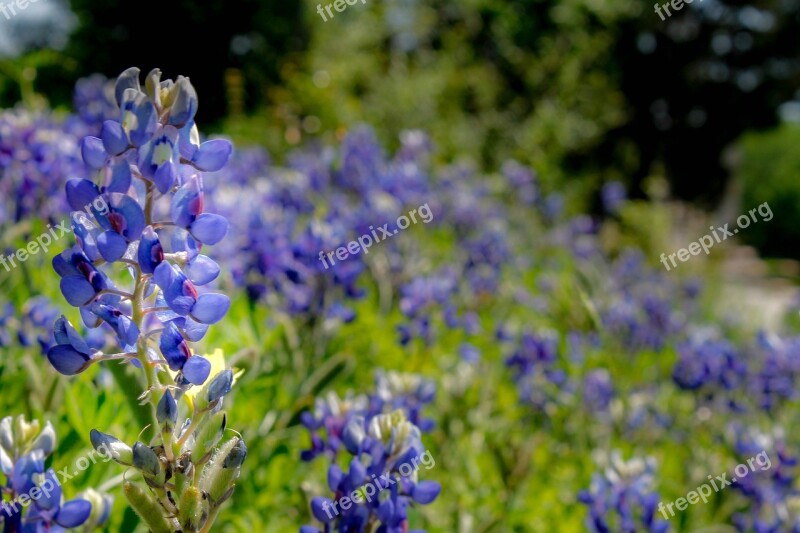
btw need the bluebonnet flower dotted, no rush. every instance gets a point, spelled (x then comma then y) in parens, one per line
(156, 142)
(614, 195)
(38, 153)
(393, 391)
(280, 233)
(640, 306)
(535, 363)
(598, 390)
(24, 446)
(93, 100)
(407, 392)
(523, 181)
(382, 478)
(709, 366)
(774, 381)
(622, 498)
(770, 485)
(144, 208)
(331, 414)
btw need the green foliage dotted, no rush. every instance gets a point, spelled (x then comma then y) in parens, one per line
(769, 172)
(526, 79)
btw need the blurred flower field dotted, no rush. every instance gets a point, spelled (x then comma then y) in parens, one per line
(554, 375)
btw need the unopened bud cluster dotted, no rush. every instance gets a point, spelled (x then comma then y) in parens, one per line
(187, 472)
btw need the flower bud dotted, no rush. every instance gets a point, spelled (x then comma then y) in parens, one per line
(184, 102)
(167, 411)
(152, 86)
(193, 509)
(25, 431)
(207, 436)
(112, 447)
(220, 385)
(222, 471)
(46, 441)
(147, 508)
(101, 508)
(7, 434)
(146, 460)
(354, 434)
(129, 79)
(237, 455)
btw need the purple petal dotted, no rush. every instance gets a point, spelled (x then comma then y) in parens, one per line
(111, 245)
(150, 253)
(114, 139)
(125, 216)
(210, 308)
(187, 203)
(335, 477)
(163, 275)
(67, 360)
(185, 105)
(322, 509)
(121, 177)
(385, 511)
(212, 155)
(174, 347)
(93, 152)
(165, 177)
(209, 228)
(138, 117)
(179, 293)
(129, 79)
(73, 513)
(126, 330)
(24, 469)
(81, 193)
(65, 333)
(426, 491)
(51, 499)
(202, 270)
(86, 234)
(193, 330)
(77, 290)
(196, 370)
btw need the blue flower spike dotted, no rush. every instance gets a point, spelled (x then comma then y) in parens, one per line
(25, 450)
(146, 164)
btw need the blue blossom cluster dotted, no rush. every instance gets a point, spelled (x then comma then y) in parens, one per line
(776, 378)
(644, 308)
(771, 492)
(35, 500)
(622, 498)
(535, 366)
(380, 449)
(93, 100)
(148, 165)
(409, 393)
(137, 269)
(38, 152)
(279, 232)
(706, 364)
(32, 327)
